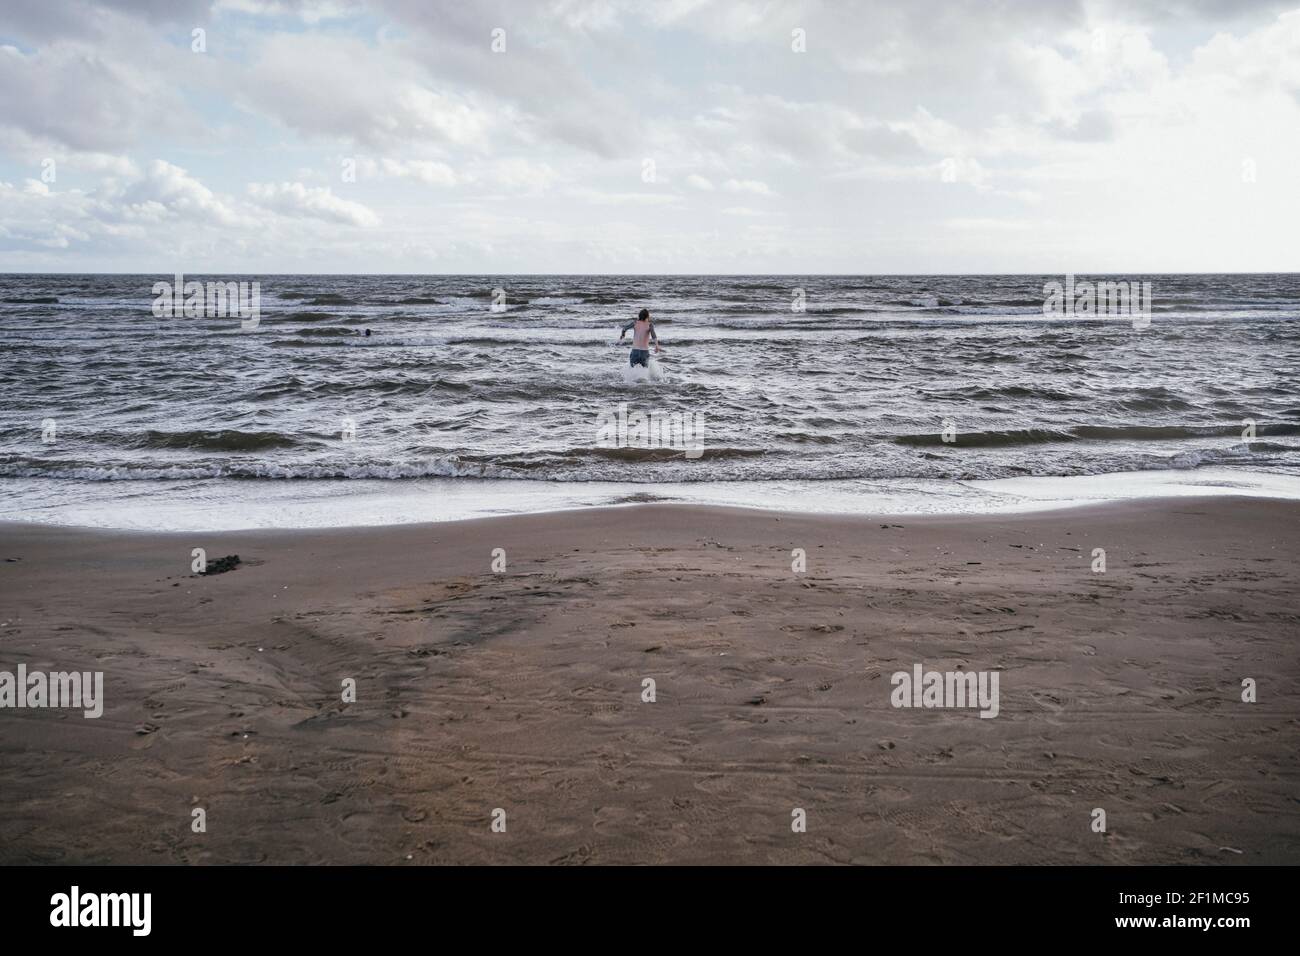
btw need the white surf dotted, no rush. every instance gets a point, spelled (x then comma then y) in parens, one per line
(638, 374)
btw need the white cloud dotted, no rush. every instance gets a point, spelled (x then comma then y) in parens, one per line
(602, 198)
(318, 202)
(183, 196)
(74, 96)
(309, 11)
(343, 88)
(988, 225)
(432, 172)
(521, 173)
(754, 186)
(1131, 122)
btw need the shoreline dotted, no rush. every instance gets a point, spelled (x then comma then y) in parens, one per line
(300, 503)
(1048, 510)
(522, 690)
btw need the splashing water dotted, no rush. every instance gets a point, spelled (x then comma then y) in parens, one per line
(640, 374)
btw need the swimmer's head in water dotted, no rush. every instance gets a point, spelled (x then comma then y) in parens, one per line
(644, 315)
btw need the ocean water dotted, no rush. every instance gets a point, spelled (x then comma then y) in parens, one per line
(465, 402)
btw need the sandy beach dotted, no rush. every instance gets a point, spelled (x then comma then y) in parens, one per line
(523, 690)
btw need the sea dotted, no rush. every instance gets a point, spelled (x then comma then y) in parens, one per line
(382, 399)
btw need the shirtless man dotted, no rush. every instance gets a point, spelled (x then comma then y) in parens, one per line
(643, 333)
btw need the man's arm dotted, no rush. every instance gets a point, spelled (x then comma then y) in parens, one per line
(654, 337)
(623, 331)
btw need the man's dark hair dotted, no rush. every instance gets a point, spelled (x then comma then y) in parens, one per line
(644, 314)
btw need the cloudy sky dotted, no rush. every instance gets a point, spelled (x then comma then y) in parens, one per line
(743, 136)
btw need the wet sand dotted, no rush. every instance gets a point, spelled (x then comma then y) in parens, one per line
(522, 690)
